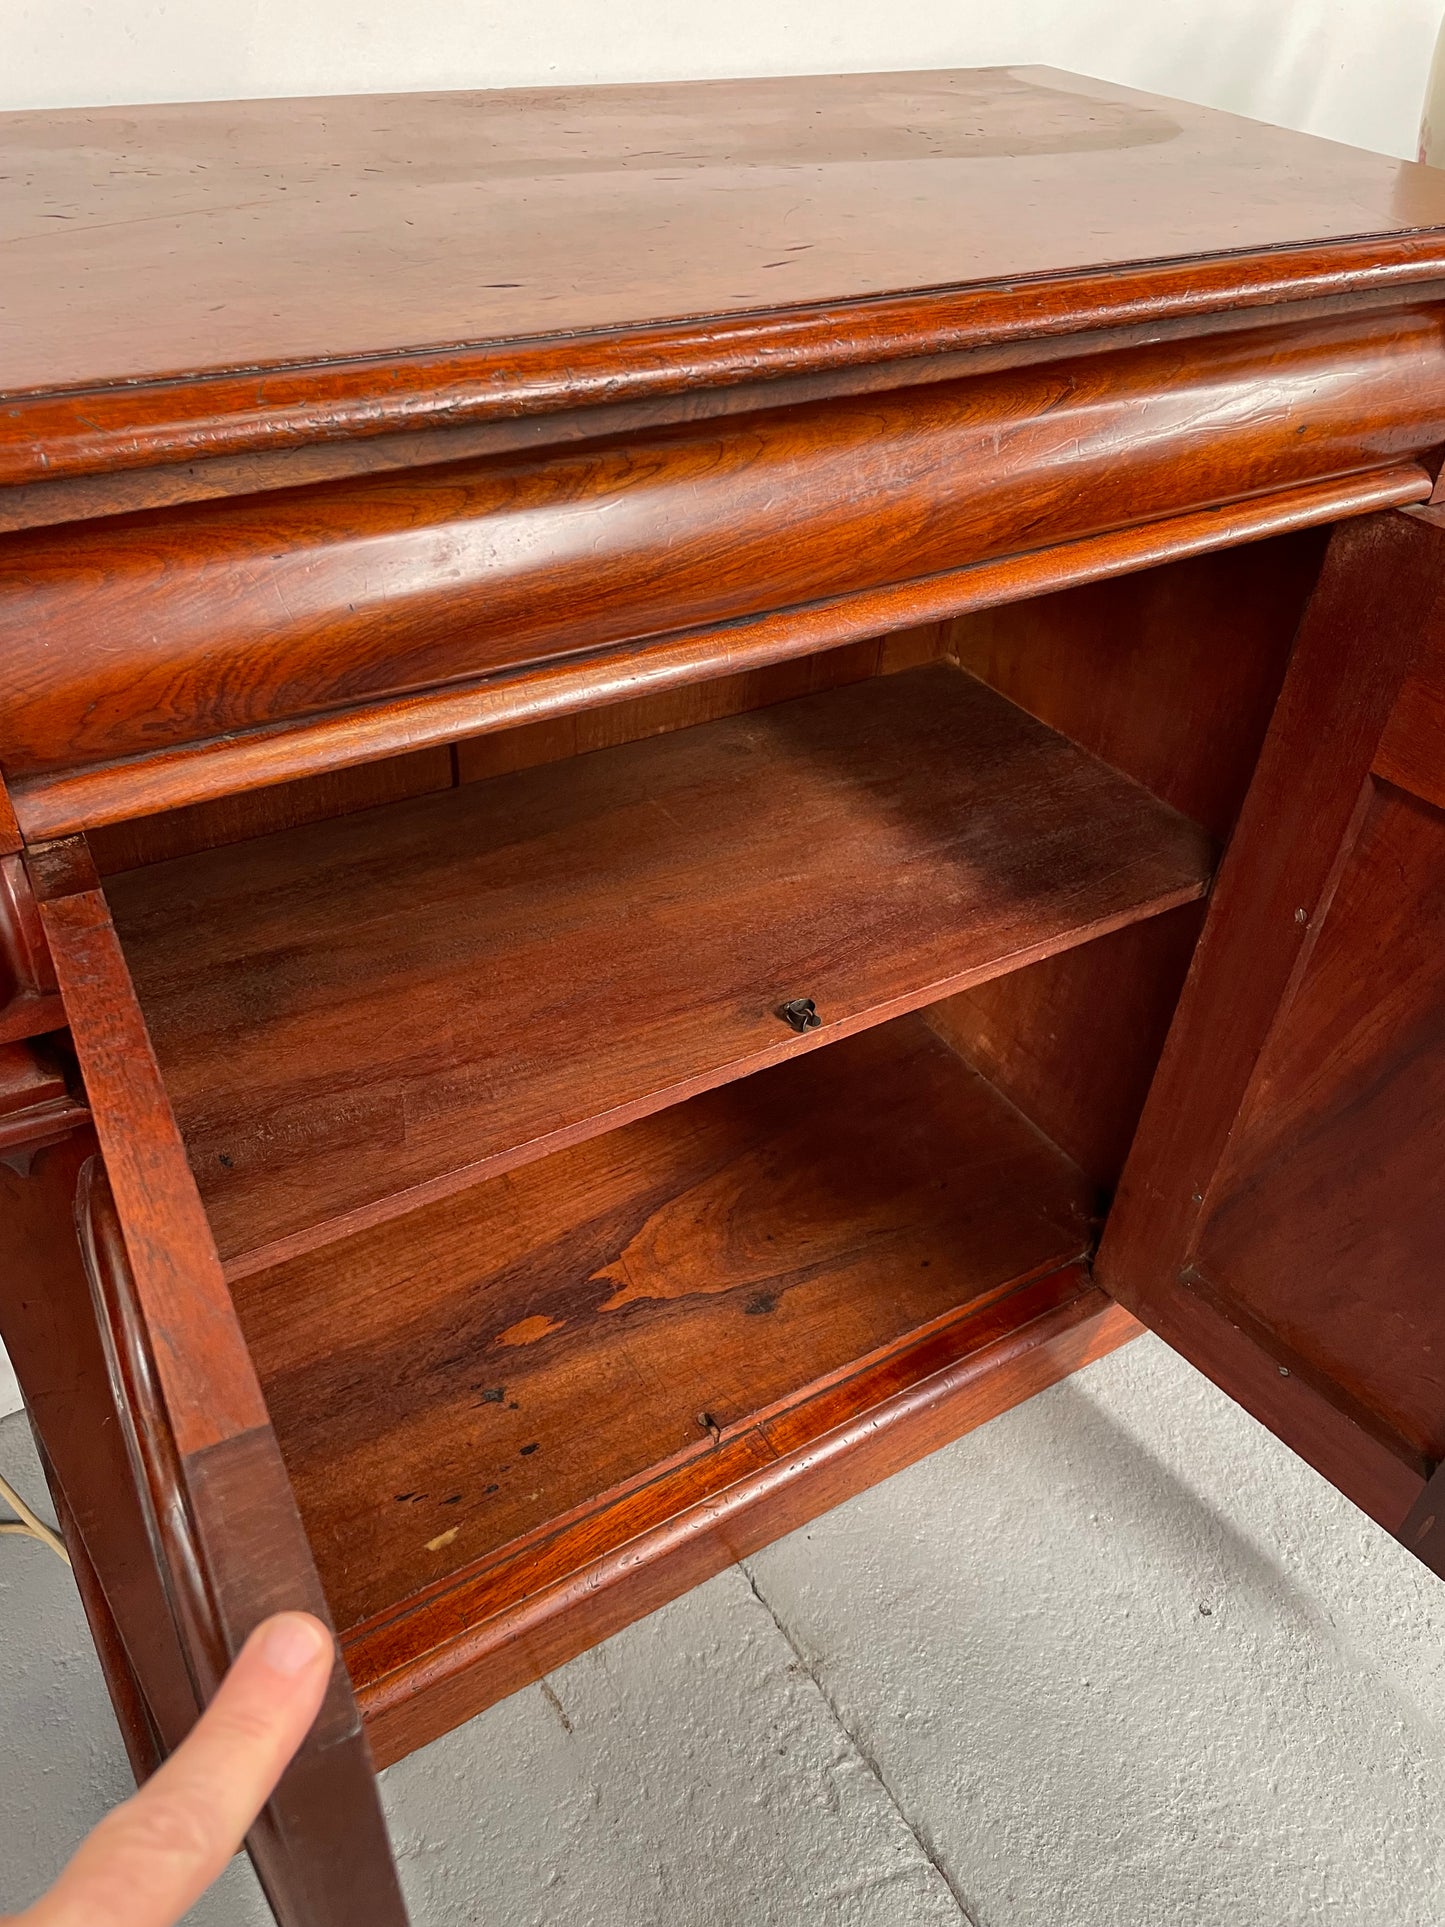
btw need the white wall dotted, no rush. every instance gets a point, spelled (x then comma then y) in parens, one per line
(1351, 69)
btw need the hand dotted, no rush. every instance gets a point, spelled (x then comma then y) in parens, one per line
(151, 1859)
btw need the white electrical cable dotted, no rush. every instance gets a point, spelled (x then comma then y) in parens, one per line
(27, 1523)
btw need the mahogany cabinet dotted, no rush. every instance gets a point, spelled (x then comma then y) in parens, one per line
(697, 781)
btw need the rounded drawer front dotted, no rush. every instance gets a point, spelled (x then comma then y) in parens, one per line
(137, 633)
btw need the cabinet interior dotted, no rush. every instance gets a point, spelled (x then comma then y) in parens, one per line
(542, 1221)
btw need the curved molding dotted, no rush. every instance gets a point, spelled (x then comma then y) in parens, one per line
(229, 1549)
(49, 435)
(150, 1440)
(29, 1005)
(127, 637)
(59, 804)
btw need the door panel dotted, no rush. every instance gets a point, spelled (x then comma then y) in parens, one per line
(154, 1430)
(1336, 1167)
(1282, 1215)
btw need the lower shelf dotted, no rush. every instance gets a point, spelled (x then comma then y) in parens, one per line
(519, 1417)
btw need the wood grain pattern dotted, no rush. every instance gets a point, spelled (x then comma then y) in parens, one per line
(551, 246)
(235, 819)
(48, 1326)
(457, 1380)
(295, 464)
(37, 1105)
(29, 1002)
(1171, 676)
(1335, 1168)
(575, 945)
(447, 545)
(207, 1379)
(1412, 750)
(193, 622)
(464, 1650)
(202, 1489)
(226, 1536)
(71, 800)
(127, 1695)
(11, 839)
(556, 738)
(143, 1527)
(1073, 1041)
(1312, 1141)
(312, 799)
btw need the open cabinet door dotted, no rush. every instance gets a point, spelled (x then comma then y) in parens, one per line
(1282, 1215)
(177, 1510)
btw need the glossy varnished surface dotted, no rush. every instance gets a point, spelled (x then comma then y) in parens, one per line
(156, 238)
(557, 1308)
(459, 1648)
(132, 635)
(202, 1513)
(162, 241)
(341, 741)
(397, 999)
(483, 1370)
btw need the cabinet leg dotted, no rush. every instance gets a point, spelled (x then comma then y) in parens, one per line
(127, 1698)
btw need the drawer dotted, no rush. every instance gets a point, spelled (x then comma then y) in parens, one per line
(130, 638)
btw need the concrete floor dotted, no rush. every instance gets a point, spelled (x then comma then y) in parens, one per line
(1117, 1658)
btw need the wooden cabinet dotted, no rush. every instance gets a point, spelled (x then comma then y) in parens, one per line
(698, 781)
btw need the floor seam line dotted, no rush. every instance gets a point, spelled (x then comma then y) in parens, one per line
(924, 1846)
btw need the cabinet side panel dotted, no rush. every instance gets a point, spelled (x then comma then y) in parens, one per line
(1073, 1041)
(1171, 675)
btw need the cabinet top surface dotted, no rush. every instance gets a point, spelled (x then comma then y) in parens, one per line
(162, 244)
(154, 240)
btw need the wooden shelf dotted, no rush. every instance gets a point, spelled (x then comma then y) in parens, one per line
(523, 1377)
(357, 1015)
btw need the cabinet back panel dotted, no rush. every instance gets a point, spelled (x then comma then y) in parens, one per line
(700, 702)
(282, 806)
(118, 847)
